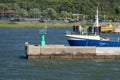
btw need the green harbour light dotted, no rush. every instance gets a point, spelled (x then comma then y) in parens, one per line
(42, 43)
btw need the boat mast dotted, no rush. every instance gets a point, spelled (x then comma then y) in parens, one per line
(96, 23)
(97, 19)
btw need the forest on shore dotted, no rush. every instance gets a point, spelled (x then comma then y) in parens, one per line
(57, 9)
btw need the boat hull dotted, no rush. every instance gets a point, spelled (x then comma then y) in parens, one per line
(90, 42)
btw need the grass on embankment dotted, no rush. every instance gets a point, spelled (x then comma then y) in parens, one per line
(32, 25)
(37, 25)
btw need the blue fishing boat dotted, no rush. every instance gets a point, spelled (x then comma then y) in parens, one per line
(92, 38)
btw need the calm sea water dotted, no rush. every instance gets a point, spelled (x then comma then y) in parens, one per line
(14, 66)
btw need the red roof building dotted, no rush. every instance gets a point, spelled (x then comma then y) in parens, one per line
(6, 14)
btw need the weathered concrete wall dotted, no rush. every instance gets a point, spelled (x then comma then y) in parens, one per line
(107, 50)
(55, 49)
(70, 52)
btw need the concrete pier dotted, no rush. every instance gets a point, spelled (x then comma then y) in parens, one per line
(70, 52)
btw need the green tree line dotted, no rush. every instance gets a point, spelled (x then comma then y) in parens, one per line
(108, 9)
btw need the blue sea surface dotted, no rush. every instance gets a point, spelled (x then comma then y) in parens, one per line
(15, 66)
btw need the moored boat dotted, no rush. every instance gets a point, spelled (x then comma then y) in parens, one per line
(92, 38)
(107, 28)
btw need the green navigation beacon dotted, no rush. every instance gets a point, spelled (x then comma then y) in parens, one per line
(42, 42)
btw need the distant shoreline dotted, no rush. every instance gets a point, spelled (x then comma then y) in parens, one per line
(33, 25)
(37, 25)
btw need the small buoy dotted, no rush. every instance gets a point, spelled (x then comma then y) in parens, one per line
(107, 39)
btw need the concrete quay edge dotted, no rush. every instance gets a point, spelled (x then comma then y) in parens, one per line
(70, 52)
